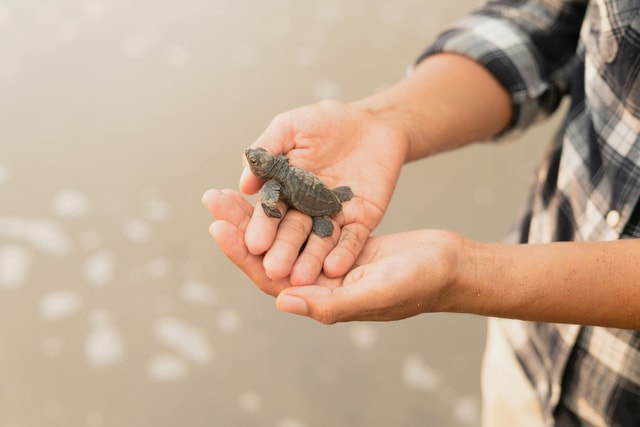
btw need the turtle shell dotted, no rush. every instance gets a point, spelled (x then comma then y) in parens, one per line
(305, 192)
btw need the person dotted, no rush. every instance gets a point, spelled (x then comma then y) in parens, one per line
(562, 292)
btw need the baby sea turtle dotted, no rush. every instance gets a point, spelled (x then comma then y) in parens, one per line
(299, 188)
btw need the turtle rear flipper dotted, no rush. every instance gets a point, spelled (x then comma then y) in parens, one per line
(344, 193)
(322, 226)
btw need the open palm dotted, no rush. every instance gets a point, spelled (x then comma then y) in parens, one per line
(343, 145)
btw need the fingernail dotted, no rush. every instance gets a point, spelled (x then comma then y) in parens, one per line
(205, 197)
(293, 305)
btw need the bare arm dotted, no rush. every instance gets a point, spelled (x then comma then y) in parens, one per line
(403, 275)
(595, 283)
(447, 102)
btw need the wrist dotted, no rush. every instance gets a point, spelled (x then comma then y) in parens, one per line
(448, 269)
(471, 289)
(391, 115)
(447, 102)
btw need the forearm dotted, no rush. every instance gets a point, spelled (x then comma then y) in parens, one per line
(447, 102)
(594, 283)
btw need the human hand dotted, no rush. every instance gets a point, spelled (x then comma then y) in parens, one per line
(394, 277)
(343, 145)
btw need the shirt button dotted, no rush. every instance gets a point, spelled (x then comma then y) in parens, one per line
(613, 218)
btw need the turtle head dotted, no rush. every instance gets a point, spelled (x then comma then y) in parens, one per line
(260, 161)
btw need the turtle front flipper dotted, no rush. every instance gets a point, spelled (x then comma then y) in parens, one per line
(344, 193)
(270, 196)
(322, 226)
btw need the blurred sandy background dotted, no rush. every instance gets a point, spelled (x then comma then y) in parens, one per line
(116, 308)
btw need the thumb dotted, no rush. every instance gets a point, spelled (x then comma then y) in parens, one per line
(277, 138)
(318, 302)
(366, 293)
(249, 184)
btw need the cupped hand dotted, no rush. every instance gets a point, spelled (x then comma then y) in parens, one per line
(233, 213)
(394, 276)
(343, 145)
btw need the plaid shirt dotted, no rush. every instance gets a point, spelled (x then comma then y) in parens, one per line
(588, 185)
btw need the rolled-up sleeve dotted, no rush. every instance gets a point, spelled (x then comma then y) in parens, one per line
(529, 46)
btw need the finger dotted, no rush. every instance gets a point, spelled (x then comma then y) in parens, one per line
(325, 304)
(309, 264)
(249, 183)
(342, 258)
(229, 206)
(277, 138)
(296, 302)
(230, 239)
(365, 294)
(261, 229)
(290, 237)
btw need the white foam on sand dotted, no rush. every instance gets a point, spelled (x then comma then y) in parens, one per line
(44, 234)
(417, 374)
(137, 231)
(196, 292)
(156, 210)
(229, 320)
(466, 411)
(250, 402)
(363, 335)
(59, 304)
(158, 267)
(187, 340)
(15, 263)
(99, 268)
(70, 203)
(4, 170)
(166, 368)
(48, 236)
(103, 345)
